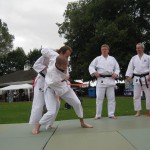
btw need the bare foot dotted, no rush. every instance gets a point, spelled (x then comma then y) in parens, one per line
(36, 129)
(137, 114)
(113, 117)
(51, 127)
(96, 118)
(85, 125)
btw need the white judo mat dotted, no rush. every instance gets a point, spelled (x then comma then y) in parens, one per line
(124, 133)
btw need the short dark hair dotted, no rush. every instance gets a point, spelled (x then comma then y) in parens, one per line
(63, 49)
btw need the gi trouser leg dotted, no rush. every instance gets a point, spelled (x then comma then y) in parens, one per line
(147, 95)
(100, 95)
(38, 101)
(71, 98)
(52, 104)
(110, 93)
(137, 97)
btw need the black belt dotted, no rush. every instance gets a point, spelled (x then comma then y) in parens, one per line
(63, 80)
(42, 74)
(142, 75)
(104, 76)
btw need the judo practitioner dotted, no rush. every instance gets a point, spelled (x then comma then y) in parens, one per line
(139, 70)
(47, 93)
(106, 69)
(56, 80)
(48, 56)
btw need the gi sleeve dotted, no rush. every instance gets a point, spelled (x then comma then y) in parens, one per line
(117, 68)
(50, 53)
(149, 64)
(92, 67)
(38, 65)
(130, 69)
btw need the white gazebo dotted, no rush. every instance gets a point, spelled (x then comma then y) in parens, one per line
(16, 87)
(26, 87)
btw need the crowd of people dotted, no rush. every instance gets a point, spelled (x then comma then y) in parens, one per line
(51, 84)
(15, 96)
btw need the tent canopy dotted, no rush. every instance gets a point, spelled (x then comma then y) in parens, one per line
(16, 87)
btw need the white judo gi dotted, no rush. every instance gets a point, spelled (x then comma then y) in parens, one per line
(49, 93)
(38, 98)
(54, 79)
(140, 67)
(105, 85)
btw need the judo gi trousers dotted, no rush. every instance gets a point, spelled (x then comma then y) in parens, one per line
(100, 95)
(137, 96)
(38, 101)
(53, 104)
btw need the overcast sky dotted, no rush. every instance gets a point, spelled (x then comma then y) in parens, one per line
(33, 22)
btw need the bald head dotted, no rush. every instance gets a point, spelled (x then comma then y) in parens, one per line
(62, 62)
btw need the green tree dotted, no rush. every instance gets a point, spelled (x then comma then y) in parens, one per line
(90, 23)
(33, 55)
(13, 61)
(6, 39)
(3, 64)
(16, 60)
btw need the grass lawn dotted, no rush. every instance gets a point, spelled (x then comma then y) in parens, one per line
(19, 112)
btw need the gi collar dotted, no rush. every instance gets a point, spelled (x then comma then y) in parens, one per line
(59, 68)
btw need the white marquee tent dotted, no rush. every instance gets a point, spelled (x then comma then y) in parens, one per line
(17, 87)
